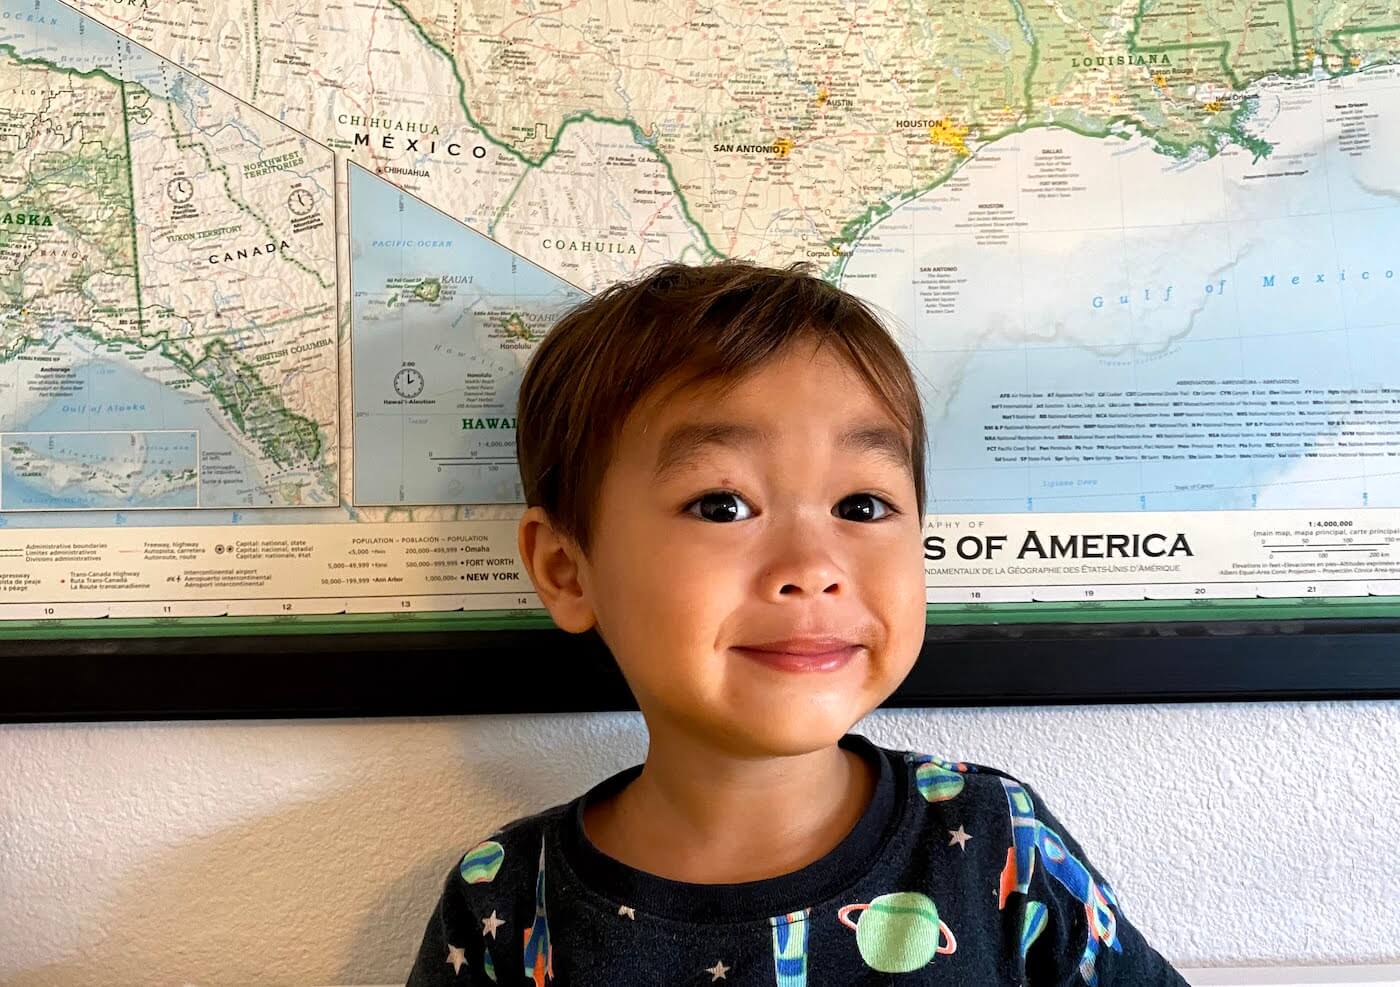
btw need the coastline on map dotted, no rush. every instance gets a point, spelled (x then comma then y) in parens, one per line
(1033, 302)
(99, 470)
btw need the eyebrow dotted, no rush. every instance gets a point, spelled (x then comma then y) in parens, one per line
(683, 445)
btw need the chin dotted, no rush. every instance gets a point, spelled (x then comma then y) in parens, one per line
(791, 733)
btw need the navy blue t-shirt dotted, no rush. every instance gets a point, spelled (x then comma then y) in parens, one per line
(955, 874)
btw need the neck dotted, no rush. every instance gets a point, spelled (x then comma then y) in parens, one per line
(677, 818)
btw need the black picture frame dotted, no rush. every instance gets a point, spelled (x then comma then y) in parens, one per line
(540, 669)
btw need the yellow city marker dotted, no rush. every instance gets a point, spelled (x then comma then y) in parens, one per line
(948, 134)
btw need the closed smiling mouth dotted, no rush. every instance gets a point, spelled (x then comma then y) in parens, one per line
(803, 645)
(805, 654)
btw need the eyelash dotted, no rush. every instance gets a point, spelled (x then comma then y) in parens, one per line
(891, 510)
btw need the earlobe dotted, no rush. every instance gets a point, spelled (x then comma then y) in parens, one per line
(553, 561)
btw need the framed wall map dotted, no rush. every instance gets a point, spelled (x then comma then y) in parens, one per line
(270, 273)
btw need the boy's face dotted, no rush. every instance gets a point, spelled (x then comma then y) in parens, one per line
(735, 534)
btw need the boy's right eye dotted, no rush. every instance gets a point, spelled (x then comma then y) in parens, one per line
(720, 506)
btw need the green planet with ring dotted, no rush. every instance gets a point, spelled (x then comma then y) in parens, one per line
(898, 932)
(937, 783)
(482, 862)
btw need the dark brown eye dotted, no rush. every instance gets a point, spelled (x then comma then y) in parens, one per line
(862, 507)
(721, 506)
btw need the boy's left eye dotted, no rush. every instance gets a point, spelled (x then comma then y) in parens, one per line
(862, 507)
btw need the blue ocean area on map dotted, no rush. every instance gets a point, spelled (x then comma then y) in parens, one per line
(99, 470)
(1238, 358)
(1320, 359)
(58, 33)
(109, 395)
(443, 321)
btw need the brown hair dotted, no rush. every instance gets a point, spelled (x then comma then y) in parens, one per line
(711, 323)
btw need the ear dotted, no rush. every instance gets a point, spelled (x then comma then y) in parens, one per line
(555, 566)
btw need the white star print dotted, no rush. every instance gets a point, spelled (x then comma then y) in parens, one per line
(490, 925)
(718, 971)
(627, 910)
(959, 837)
(456, 955)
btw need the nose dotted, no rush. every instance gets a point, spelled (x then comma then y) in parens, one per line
(802, 567)
(814, 588)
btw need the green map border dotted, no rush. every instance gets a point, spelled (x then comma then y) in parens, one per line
(944, 614)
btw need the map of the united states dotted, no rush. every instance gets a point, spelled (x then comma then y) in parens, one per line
(781, 130)
(1014, 180)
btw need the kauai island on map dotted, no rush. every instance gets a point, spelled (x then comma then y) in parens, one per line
(443, 321)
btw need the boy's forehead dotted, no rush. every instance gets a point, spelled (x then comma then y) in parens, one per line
(802, 390)
(801, 381)
(683, 442)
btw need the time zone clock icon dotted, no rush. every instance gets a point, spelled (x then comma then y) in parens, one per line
(300, 202)
(408, 382)
(180, 189)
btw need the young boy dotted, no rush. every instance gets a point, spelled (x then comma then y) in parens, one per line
(724, 468)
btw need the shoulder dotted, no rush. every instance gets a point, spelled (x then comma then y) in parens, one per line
(1044, 884)
(937, 779)
(1004, 813)
(1068, 921)
(988, 792)
(490, 890)
(508, 856)
(484, 897)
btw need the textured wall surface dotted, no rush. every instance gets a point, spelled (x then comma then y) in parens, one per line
(311, 852)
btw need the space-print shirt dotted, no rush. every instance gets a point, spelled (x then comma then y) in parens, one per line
(955, 874)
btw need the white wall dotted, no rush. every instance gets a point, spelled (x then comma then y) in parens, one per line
(312, 851)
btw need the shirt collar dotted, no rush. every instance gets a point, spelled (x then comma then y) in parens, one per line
(856, 854)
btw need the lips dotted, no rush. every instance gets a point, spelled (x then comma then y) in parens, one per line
(802, 654)
(804, 645)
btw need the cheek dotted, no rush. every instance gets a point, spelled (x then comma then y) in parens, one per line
(689, 590)
(664, 598)
(897, 577)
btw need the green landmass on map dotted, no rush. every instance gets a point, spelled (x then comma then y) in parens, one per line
(68, 166)
(902, 110)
